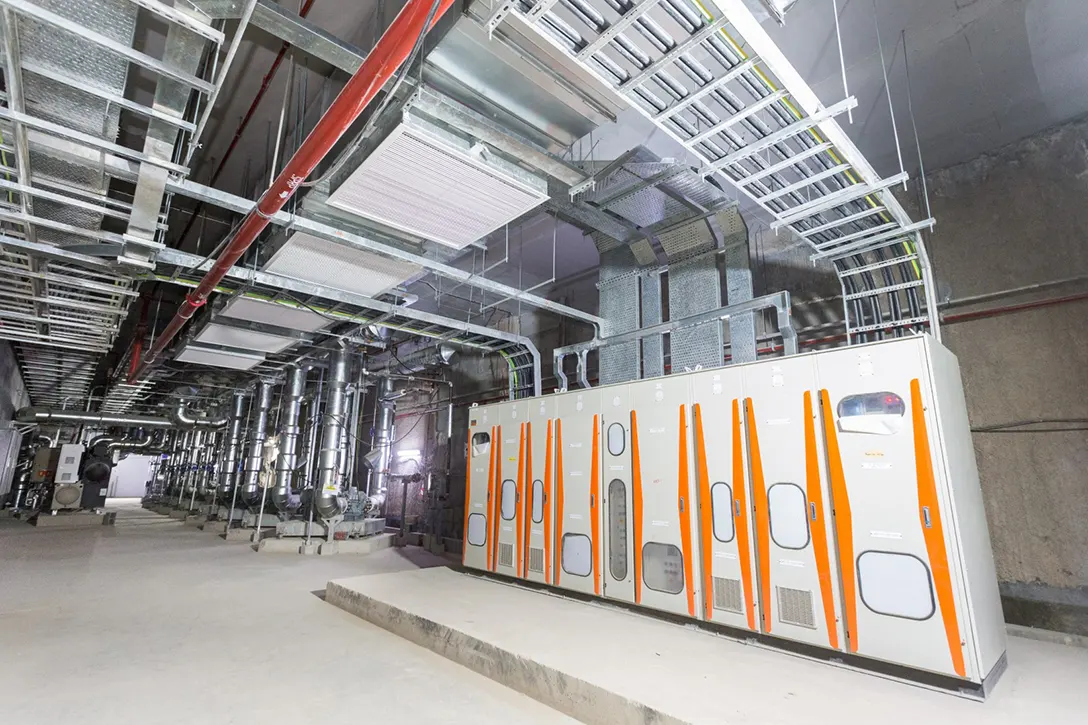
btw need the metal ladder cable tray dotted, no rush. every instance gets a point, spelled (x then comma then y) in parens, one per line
(710, 77)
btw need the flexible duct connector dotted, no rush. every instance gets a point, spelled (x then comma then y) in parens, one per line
(229, 473)
(287, 461)
(326, 502)
(250, 494)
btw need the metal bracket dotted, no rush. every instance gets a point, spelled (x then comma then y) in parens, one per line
(498, 16)
(587, 185)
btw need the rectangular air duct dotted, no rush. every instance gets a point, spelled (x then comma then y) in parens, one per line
(230, 336)
(437, 185)
(338, 266)
(269, 313)
(233, 359)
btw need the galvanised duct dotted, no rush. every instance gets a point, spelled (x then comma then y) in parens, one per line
(383, 434)
(179, 418)
(229, 472)
(327, 503)
(290, 405)
(250, 494)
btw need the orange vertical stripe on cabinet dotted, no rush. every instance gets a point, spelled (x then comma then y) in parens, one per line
(497, 506)
(519, 501)
(743, 544)
(548, 506)
(595, 508)
(490, 498)
(468, 495)
(818, 526)
(684, 505)
(636, 504)
(763, 521)
(933, 529)
(706, 522)
(558, 499)
(844, 528)
(527, 506)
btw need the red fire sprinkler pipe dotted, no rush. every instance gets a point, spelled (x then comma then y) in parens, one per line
(138, 338)
(392, 49)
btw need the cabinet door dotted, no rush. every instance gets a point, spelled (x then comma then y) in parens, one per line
(577, 492)
(663, 511)
(791, 506)
(619, 548)
(479, 490)
(725, 526)
(901, 586)
(509, 480)
(538, 514)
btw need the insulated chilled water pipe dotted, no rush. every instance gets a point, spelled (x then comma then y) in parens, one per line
(326, 497)
(251, 488)
(286, 464)
(382, 452)
(229, 473)
(381, 64)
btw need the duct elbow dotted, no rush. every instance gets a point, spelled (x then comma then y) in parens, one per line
(183, 418)
(328, 505)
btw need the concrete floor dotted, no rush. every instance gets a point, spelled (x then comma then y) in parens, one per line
(154, 622)
(609, 666)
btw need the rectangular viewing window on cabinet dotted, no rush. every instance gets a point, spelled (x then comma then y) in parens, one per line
(898, 585)
(481, 443)
(721, 509)
(617, 529)
(789, 515)
(477, 529)
(508, 499)
(577, 556)
(538, 501)
(663, 567)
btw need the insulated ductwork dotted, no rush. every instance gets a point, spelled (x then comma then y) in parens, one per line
(289, 433)
(382, 452)
(179, 418)
(229, 472)
(250, 494)
(134, 444)
(327, 503)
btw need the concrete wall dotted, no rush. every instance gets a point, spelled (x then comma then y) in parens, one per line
(1016, 217)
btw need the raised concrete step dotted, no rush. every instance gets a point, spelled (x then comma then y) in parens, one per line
(600, 664)
(74, 520)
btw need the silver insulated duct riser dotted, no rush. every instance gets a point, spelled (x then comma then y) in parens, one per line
(250, 493)
(229, 472)
(382, 453)
(287, 461)
(327, 502)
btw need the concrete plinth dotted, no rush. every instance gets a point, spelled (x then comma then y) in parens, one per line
(299, 527)
(601, 664)
(74, 520)
(179, 514)
(215, 526)
(273, 545)
(195, 519)
(356, 546)
(237, 534)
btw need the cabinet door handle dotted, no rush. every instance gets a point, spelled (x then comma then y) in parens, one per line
(812, 509)
(926, 517)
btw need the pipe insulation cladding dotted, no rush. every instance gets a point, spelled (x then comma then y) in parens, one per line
(286, 463)
(250, 493)
(229, 472)
(327, 502)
